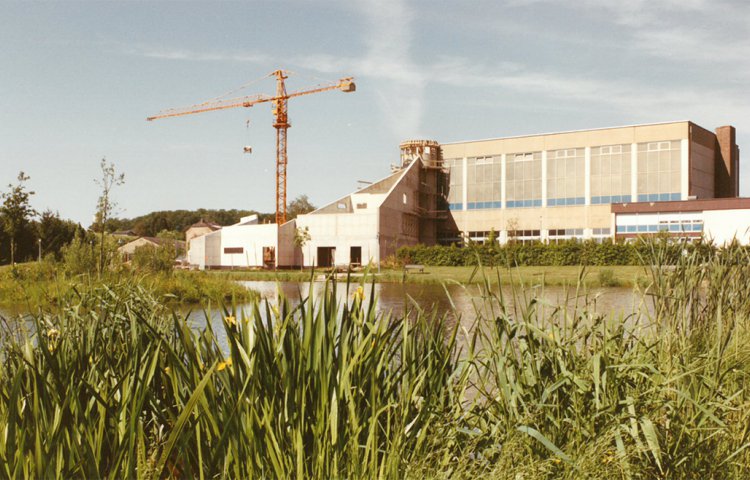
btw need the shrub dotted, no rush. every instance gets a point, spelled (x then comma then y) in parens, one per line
(154, 259)
(569, 252)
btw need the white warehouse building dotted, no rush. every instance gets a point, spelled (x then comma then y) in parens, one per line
(363, 227)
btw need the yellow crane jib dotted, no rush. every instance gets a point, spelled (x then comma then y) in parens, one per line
(281, 123)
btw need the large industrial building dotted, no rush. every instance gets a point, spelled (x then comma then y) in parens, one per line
(589, 184)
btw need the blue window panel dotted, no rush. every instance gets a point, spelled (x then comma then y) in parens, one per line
(614, 199)
(472, 206)
(510, 204)
(642, 198)
(595, 200)
(675, 196)
(653, 228)
(674, 228)
(580, 201)
(642, 228)
(663, 228)
(497, 204)
(631, 229)
(551, 202)
(487, 204)
(697, 227)
(626, 198)
(538, 203)
(653, 197)
(621, 229)
(663, 197)
(527, 203)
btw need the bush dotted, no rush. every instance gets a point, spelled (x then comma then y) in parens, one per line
(607, 278)
(569, 252)
(155, 259)
(82, 254)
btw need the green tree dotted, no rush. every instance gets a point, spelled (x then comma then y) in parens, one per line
(54, 232)
(16, 212)
(105, 206)
(299, 206)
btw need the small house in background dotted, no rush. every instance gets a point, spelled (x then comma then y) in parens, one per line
(128, 250)
(124, 233)
(200, 228)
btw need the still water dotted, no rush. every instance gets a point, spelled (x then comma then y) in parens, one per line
(454, 301)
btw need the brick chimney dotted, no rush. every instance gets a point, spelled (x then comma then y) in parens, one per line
(727, 176)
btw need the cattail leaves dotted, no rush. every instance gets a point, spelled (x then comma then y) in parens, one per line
(114, 385)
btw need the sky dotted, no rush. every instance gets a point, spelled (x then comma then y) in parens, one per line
(78, 79)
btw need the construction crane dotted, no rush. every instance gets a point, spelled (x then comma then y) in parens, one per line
(281, 121)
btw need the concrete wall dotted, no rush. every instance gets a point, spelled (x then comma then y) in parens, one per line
(579, 139)
(341, 231)
(724, 225)
(252, 239)
(289, 255)
(197, 252)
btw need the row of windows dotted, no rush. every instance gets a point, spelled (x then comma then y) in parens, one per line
(551, 202)
(566, 232)
(652, 228)
(603, 199)
(658, 197)
(658, 164)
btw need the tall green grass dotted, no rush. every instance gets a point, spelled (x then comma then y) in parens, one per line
(113, 384)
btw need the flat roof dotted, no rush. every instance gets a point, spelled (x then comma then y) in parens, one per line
(697, 205)
(569, 131)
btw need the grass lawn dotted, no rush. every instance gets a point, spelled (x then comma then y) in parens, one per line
(625, 276)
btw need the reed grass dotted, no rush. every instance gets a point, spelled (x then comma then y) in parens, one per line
(113, 384)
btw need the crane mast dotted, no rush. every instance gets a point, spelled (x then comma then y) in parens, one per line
(281, 122)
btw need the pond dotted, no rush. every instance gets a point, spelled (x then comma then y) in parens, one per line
(395, 298)
(454, 301)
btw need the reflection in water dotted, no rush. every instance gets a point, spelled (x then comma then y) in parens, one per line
(454, 301)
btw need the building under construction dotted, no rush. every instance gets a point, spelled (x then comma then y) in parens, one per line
(593, 184)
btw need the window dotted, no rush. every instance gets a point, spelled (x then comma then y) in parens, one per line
(610, 174)
(483, 182)
(566, 177)
(361, 205)
(659, 171)
(341, 206)
(404, 198)
(233, 250)
(523, 180)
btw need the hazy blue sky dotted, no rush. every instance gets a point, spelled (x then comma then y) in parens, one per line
(77, 80)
